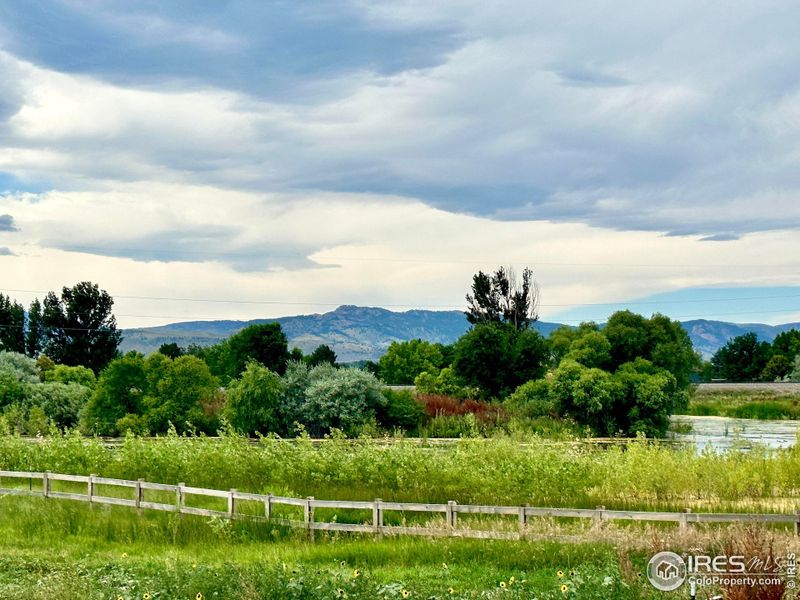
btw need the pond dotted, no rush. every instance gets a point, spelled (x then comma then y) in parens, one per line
(724, 433)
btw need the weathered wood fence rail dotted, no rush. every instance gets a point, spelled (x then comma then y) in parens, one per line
(378, 507)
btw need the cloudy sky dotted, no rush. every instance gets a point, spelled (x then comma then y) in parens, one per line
(253, 158)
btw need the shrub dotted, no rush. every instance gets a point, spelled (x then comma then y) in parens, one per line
(532, 399)
(402, 411)
(341, 399)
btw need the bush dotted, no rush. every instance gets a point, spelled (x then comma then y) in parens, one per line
(445, 383)
(532, 399)
(341, 399)
(402, 411)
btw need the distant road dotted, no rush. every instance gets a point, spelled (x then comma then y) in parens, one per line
(787, 388)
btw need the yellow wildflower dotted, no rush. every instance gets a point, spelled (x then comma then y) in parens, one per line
(564, 588)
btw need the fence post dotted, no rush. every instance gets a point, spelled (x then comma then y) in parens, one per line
(179, 499)
(139, 494)
(452, 514)
(46, 484)
(599, 516)
(683, 523)
(231, 503)
(523, 520)
(377, 517)
(308, 516)
(268, 507)
(90, 488)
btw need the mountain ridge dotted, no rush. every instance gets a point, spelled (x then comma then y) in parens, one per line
(363, 333)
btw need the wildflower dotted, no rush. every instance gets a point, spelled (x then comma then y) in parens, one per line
(451, 590)
(120, 598)
(342, 564)
(356, 573)
(572, 573)
(124, 555)
(444, 565)
(199, 596)
(502, 585)
(194, 565)
(560, 574)
(511, 580)
(406, 593)
(146, 596)
(564, 587)
(340, 593)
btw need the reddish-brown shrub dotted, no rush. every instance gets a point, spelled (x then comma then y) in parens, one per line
(438, 405)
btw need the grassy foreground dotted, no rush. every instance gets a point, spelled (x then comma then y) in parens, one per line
(57, 549)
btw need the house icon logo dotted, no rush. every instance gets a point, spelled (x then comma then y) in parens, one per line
(666, 571)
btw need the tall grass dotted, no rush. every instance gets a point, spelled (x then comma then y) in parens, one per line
(751, 404)
(495, 471)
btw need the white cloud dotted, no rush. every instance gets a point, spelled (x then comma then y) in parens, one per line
(361, 249)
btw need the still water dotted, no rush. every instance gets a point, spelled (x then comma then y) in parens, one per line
(724, 433)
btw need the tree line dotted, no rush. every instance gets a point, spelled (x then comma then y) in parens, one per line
(61, 366)
(746, 358)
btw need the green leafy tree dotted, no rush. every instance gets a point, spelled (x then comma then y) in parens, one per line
(79, 327)
(787, 343)
(499, 298)
(171, 350)
(403, 361)
(777, 368)
(120, 390)
(593, 350)
(12, 325)
(322, 354)
(66, 374)
(483, 358)
(742, 359)
(255, 402)
(658, 339)
(185, 386)
(265, 343)
(498, 358)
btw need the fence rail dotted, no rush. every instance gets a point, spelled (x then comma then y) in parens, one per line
(378, 507)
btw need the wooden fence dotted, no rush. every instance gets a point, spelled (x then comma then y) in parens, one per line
(450, 510)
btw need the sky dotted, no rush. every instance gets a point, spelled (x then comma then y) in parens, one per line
(257, 158)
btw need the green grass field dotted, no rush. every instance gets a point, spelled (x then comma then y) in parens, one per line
(58, 549)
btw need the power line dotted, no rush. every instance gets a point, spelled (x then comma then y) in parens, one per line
(449, 306)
